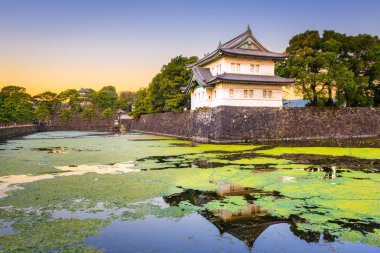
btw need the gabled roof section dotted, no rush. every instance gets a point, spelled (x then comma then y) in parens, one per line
(245, 45)
(244, 38)
(202, 75)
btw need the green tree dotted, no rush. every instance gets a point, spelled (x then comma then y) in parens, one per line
(71, 98)
(306, 63)
(107, 97)
(164, 92)
(48, 100)
(89, 113)
(108, 114)
(350, 65)
(125, 100)
(139, 105)
(66, 115)
(42, 113)
(15, 105)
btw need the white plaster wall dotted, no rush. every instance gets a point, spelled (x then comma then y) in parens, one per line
(266, 67)
(201, 97)
(223, 96)
(214, 67)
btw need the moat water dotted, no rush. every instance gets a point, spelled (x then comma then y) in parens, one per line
(95, 192)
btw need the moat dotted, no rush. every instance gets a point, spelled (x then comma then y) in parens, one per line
(95, 192)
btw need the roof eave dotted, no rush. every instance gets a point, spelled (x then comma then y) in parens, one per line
(219, 80)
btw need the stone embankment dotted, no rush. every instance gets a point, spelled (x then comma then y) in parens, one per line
(249, 124)
(14, 131)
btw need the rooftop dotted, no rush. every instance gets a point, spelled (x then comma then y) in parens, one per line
(243, 45)
(206, 79)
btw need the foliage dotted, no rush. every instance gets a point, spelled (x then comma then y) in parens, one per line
(42, 113)
(15, 105)
(125, 100)
(48, 100)
(107, 97)
(18, 106)
(350, 65)
(164, 92)
(89, 113)
(140, 104)
(66, 115)
(108, 114)
(71, 98)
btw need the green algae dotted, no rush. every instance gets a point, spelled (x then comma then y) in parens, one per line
(113, 190)
(50, 236)
(262, 160)
(318, 202)
(141, 211)
(364, 153)
(97, 150)
(230, 203)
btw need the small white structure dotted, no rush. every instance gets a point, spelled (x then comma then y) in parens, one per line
(239, 72)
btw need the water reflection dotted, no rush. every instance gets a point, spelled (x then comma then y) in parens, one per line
(245, 224)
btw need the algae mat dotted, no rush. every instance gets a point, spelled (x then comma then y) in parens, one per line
(94, 192)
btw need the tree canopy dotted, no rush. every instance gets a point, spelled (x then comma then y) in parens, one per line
(348, 65)
(18, 106)
(15, 105)
(164, 91)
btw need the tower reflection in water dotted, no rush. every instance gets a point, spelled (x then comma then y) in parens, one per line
(246, 224)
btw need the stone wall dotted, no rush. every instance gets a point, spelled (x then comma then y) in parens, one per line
(248, 124)
(14, 131)
(170, 123)
(79, 124)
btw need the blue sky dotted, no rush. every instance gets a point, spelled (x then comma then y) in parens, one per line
(57, 44)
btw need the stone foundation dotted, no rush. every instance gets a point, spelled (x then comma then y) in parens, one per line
(249, 124)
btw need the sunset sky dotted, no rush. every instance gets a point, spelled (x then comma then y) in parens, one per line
(59, 44)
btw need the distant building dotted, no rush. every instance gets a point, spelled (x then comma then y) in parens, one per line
(84, 93)
(239, 72)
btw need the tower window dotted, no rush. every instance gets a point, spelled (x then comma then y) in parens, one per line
(257, 68)
(245, 93)
(232, 66)
(237, 66)
(231, 93)
(264, 93)
(252, 68)
(250, 93)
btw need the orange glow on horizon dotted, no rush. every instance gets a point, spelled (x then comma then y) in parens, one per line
(57, 80)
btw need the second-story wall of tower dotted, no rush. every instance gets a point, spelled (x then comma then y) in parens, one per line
(241, 66)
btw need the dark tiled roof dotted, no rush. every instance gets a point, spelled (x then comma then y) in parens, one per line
(206, 79)
(203, 75)
(251, 79)
(84, 90)
(229, 48)
(241, 38)
(256, 53)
